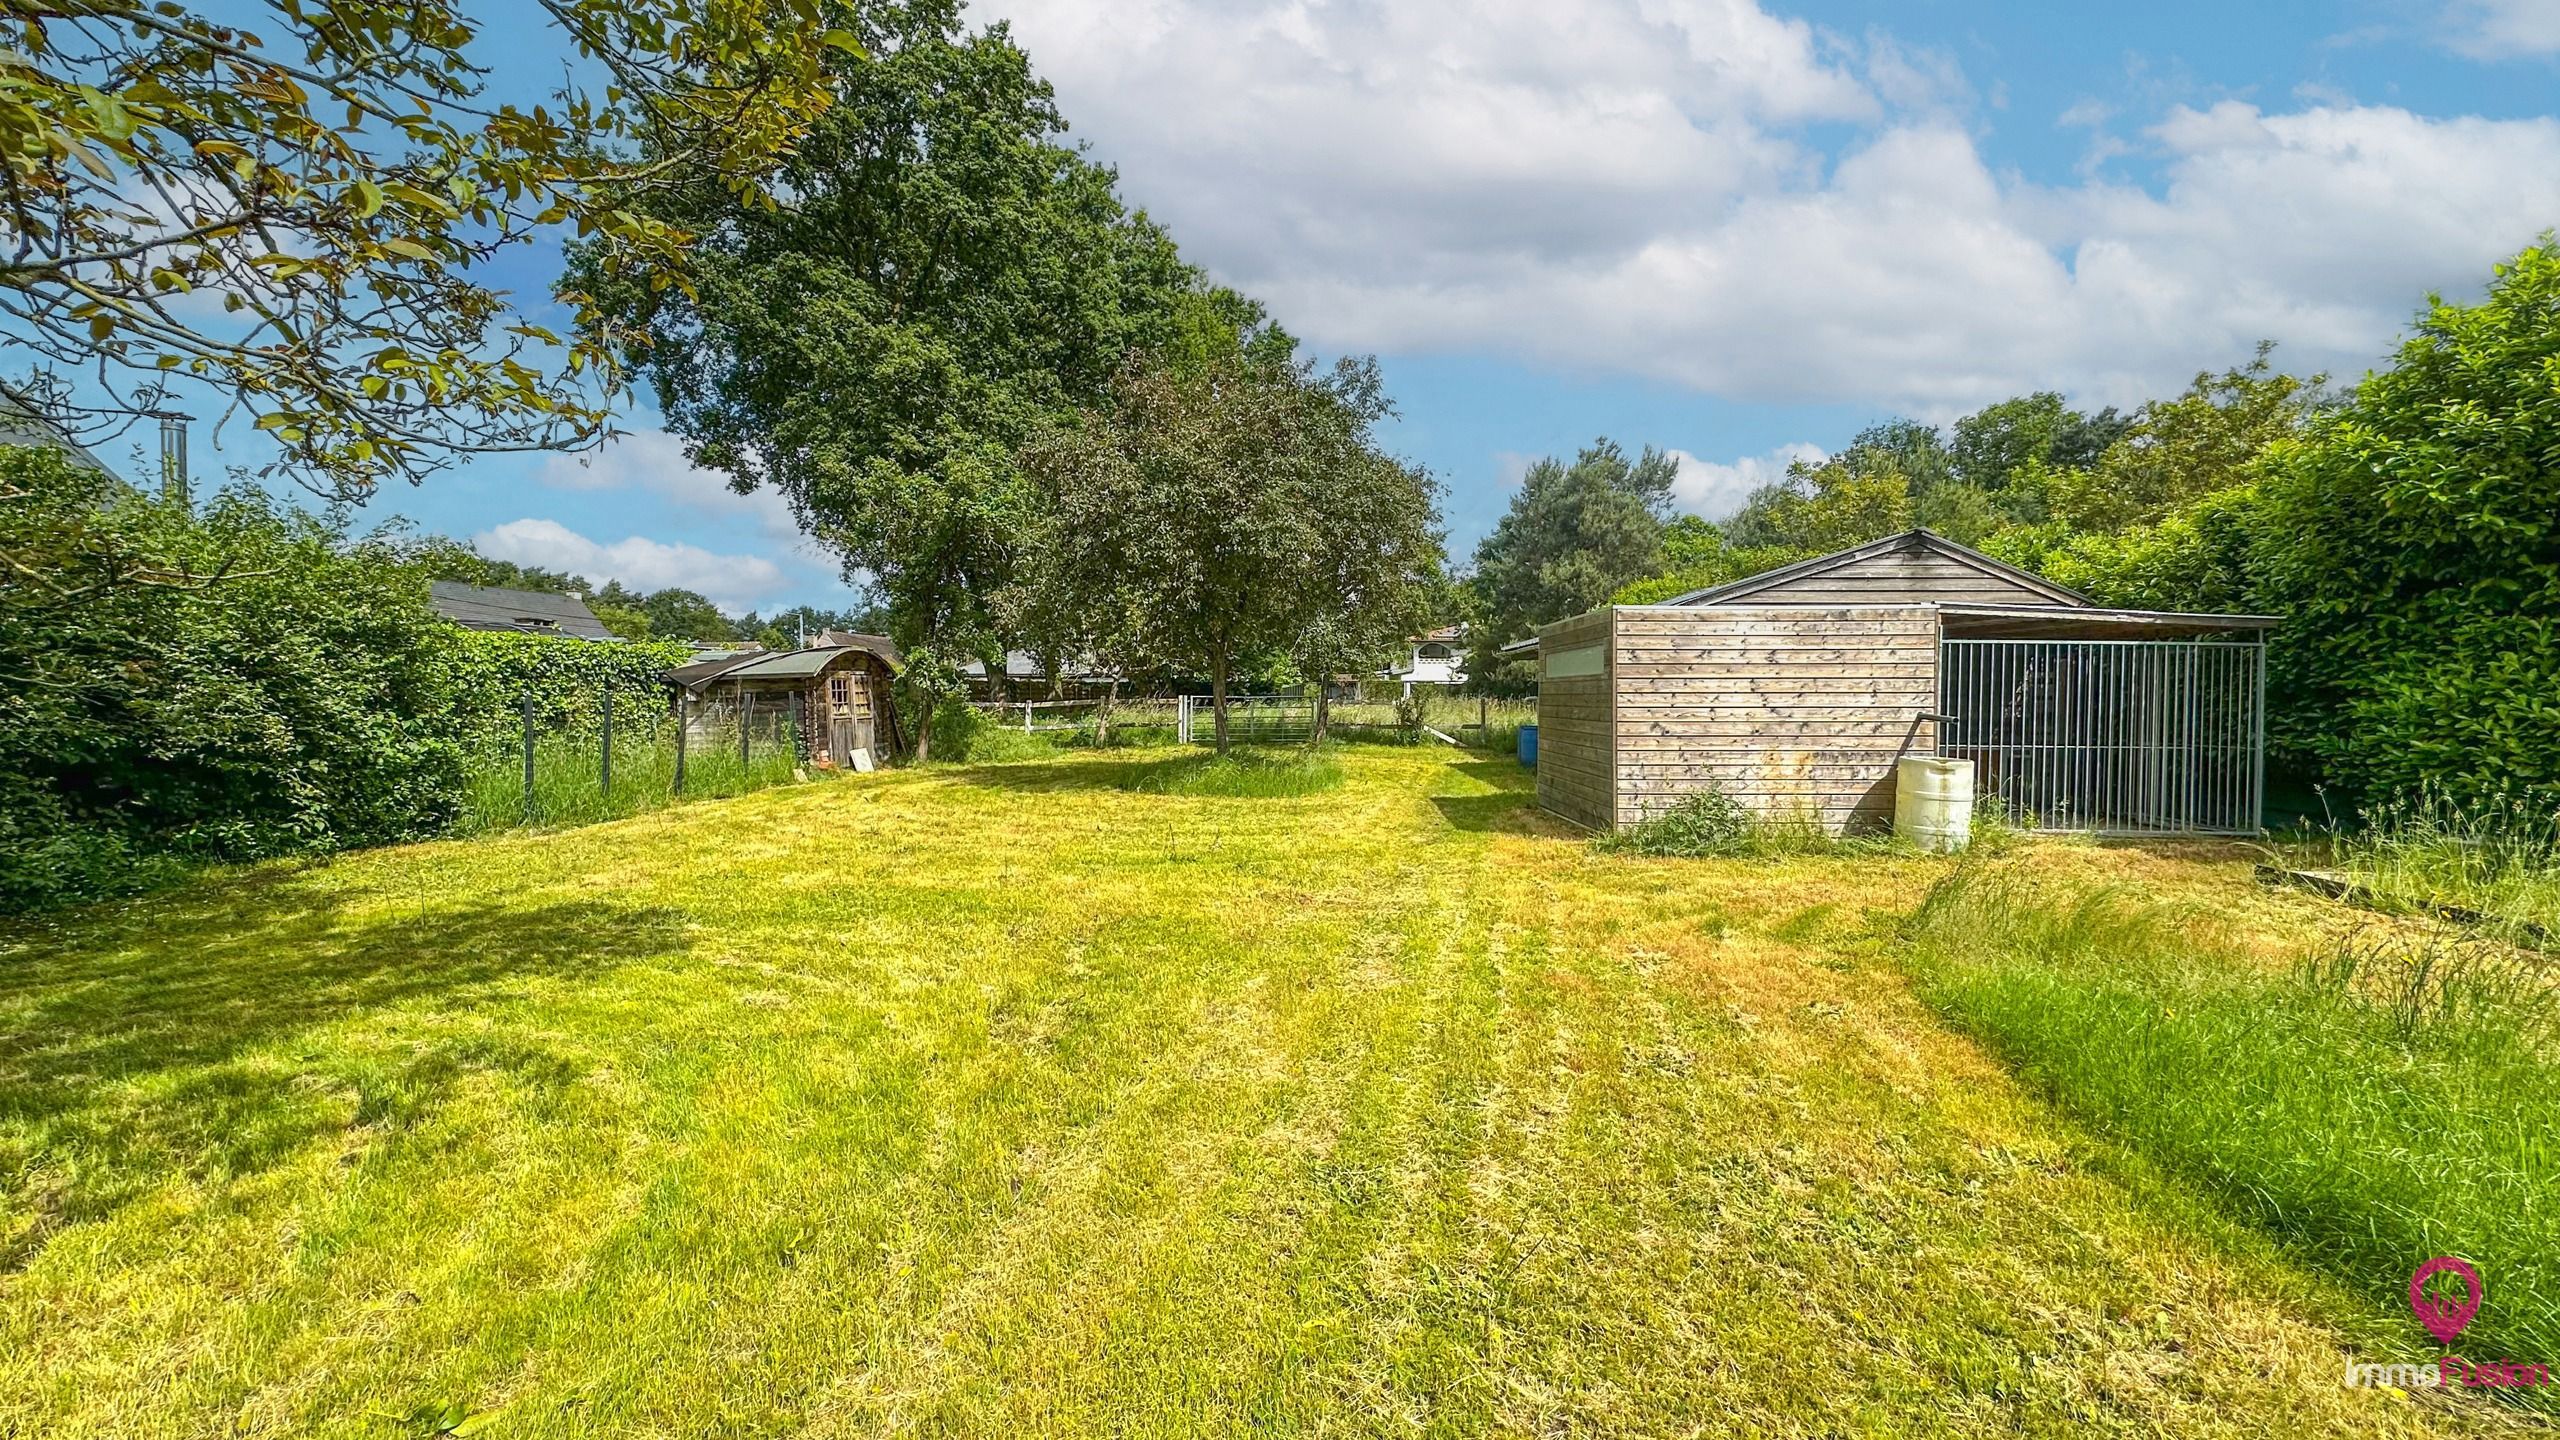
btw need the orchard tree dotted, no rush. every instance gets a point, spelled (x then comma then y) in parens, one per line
(1195, 517)
(939, 277)
(296, 215)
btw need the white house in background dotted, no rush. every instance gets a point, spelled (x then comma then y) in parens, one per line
(1437, 657)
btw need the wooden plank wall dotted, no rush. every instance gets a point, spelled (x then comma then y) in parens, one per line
(1790, 709)
(1576, 745)
(1899, 576)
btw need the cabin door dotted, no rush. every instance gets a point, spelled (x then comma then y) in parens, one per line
(848, 716)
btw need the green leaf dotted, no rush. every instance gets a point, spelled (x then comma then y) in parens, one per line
(368, 199)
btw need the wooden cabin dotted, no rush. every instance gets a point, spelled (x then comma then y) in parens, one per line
(1795, 691)
(835, 700)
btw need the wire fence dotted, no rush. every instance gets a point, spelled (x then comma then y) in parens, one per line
(598, 760)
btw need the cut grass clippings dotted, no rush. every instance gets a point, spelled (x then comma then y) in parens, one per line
(2378, 1102)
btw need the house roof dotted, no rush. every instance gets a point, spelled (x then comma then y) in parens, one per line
(23, 424)
(530, 612)
(1923, 541)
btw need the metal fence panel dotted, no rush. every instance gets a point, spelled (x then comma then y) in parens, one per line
(2137, 737)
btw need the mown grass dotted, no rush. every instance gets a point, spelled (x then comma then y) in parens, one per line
(1002, 1100)
(2373, 1101)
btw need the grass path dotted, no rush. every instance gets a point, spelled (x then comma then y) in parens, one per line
(1001, 1101)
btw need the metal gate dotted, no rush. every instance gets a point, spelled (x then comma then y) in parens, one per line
(2124, 737)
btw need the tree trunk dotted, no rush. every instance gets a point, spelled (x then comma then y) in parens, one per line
(924, 726)
(1218, 694)
(1324, 712)
(1102, 717)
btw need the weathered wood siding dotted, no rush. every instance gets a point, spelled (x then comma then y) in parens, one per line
(1899, 577)
(1576, 742)
(1790, 709)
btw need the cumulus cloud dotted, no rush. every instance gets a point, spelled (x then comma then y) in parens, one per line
(1652, 187)
(2503, 29)
(1717, 489)
(733, 582)
(653, 461)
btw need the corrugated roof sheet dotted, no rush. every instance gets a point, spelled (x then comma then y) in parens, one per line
(530, 612)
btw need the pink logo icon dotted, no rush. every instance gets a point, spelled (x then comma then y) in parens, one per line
(2444, 1318)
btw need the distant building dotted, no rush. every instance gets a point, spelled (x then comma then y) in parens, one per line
(527, 612)
(1025, 675)
(1433, 658)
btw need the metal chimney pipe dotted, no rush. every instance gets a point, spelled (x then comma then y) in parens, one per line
(173, 455)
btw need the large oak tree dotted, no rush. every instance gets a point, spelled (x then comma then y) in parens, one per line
(941, 275)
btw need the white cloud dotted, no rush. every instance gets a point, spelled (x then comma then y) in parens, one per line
(1715, 490)
(2503, 29)
(1631, 186)
(734, 582)
(654, 461)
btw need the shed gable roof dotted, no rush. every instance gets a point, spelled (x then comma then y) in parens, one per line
(1916, 566)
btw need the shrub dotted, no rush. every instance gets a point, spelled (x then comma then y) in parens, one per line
(246, 682)
(1703, 822)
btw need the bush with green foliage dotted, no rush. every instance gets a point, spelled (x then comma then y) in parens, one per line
(244, 682)
(1702, 822)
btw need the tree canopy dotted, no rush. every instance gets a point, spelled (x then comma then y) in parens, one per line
(1572, 535)
(941, 275)
(1227, 507)
(295, 215)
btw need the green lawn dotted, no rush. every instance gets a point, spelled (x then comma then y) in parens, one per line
(1019, 1101)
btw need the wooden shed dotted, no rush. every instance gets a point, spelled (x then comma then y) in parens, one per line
(834, 701)
(1795, 691)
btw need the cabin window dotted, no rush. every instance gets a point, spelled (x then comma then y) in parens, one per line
(839, 689)
(1569, 664)
(1433, 652)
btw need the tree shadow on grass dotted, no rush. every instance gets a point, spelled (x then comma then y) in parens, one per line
(128, 1059)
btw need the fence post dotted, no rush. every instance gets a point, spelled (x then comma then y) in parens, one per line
(684, 715)
(604, 772)
(799, 724)
(528, 757)
(1026, 717)
(746, 729)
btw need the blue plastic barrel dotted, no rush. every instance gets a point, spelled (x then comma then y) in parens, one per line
(1529, 746)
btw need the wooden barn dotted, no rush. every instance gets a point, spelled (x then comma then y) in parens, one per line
(1796, 690)
(834, 699)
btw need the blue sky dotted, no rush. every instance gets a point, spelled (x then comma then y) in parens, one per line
(1735, 230)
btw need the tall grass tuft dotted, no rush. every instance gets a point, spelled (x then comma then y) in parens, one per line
(2497, 858)
(1238, 773)
(2375, 1105)
(568, 776)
